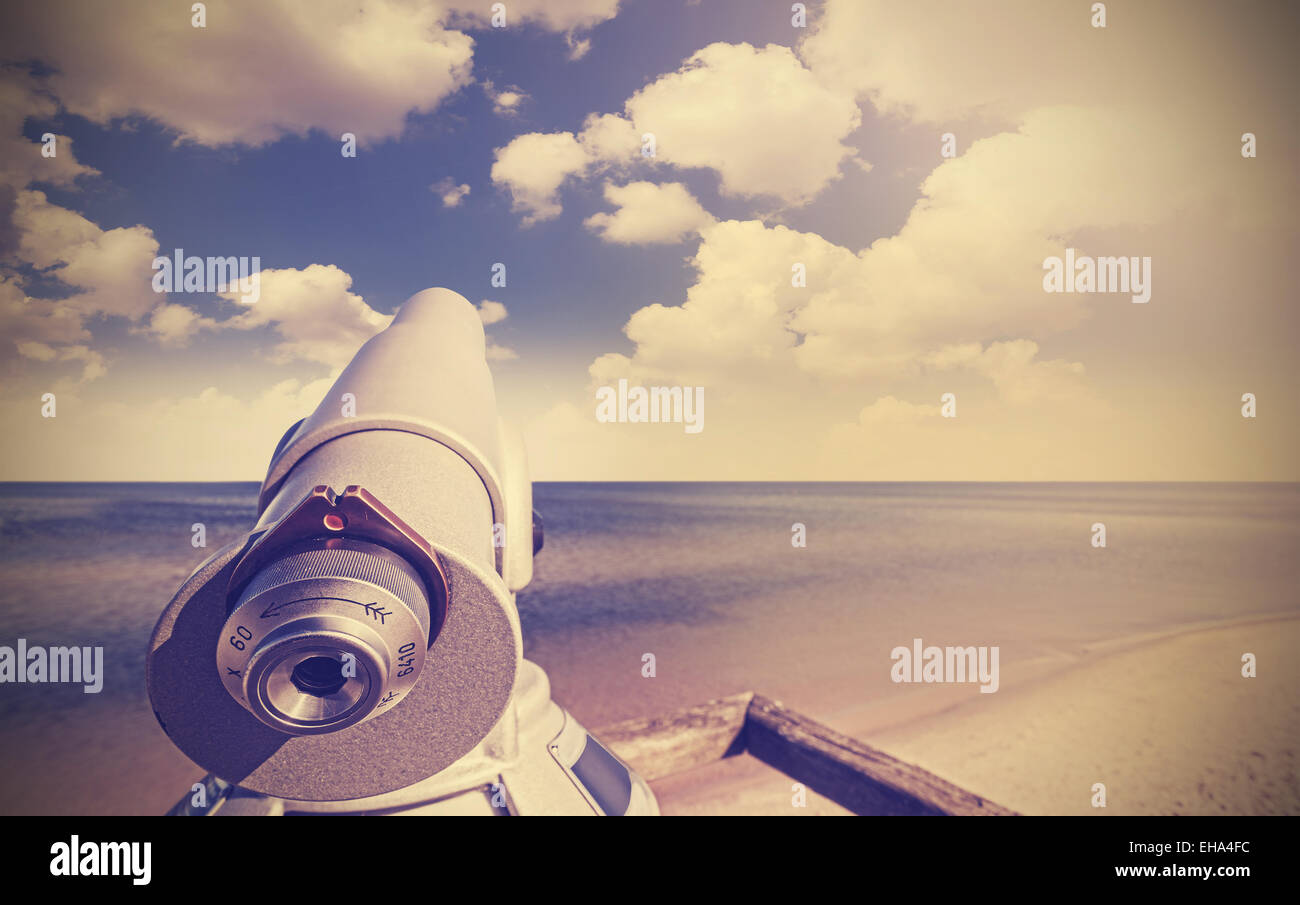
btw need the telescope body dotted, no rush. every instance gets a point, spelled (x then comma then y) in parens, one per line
(359, 648)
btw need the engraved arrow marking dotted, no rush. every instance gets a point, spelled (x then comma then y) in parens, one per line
(373, 610)
(377, 612)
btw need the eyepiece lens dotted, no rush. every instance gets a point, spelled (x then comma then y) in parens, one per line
(318, 676)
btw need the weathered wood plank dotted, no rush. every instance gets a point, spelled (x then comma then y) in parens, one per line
(656, 747)
(859, 777)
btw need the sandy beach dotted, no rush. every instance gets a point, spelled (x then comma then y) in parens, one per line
(1168, 724)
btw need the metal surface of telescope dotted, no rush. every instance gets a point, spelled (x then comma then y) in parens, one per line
(358, 650)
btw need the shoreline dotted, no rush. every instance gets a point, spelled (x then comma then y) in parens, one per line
(877, 716)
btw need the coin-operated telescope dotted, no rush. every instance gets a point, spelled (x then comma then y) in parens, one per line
(359, 649)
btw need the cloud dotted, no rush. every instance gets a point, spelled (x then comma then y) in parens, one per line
(175, 325)
(101, 273)
(554, 15)
(36, 320)
(255, 73)
(92, 362)
(47, 232)
(755, 116)
(96, 272)
(918, 60)
(450, 193)
(533, 167)
(491, 312)
(1015, 371)
(506, 101)
(649, 214)
(610, 141)
(111, 268)
(259, 71)
(733, 323)
(21, 160)
(314, 313)
(578, 47)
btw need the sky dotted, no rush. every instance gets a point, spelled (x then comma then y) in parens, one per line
(827, 220)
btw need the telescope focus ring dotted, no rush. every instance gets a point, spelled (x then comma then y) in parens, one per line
(327, 635)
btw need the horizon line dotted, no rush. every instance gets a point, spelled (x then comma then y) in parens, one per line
(713, 481)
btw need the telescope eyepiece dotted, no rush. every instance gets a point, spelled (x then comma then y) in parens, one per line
(325, 636)
(323, 614)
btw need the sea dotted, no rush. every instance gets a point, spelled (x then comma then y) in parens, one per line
(798, 591)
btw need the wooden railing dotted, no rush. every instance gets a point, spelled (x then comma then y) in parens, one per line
(861, 778)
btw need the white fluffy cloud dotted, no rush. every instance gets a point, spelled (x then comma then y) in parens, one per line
(505, 101)
(755, 116)
(648, 214)
(533, 167)
(259, 71)
(734, 321)
(491, 312)
(111, 268)
(175, 325)
(106, 274)
(314, 313)
(255, 73)
(1016, 372)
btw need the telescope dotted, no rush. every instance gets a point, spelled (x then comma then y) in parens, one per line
(358, 649)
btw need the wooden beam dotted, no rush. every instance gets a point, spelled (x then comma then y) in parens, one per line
(659, 746)
(857, 776)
